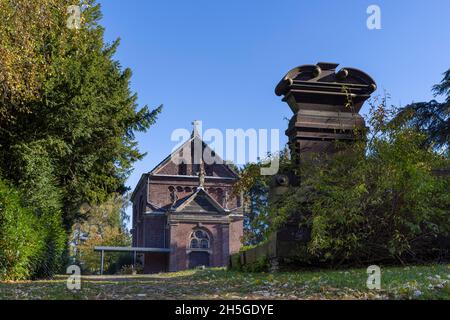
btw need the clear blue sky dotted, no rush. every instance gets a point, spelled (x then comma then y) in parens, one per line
(219, 61)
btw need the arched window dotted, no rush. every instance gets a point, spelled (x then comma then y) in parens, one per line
(199, 240)
(172, 194)
(182, 169)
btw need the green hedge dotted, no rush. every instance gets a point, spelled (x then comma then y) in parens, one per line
(31, 245)
(384, 205)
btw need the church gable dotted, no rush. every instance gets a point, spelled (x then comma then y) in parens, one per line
(199, 202)
(183, 162)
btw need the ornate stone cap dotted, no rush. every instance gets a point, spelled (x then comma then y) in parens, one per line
(321, 84)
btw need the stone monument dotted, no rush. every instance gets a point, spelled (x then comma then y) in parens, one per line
(326, 104)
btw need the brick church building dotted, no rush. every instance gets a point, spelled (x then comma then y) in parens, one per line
(185, 213)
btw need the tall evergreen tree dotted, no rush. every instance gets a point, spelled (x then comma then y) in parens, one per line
(431, 117)
(77, 123)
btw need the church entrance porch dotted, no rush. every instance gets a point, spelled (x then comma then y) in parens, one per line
(198, 259)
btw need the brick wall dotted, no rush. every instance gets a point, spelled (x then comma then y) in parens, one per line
(160, 190)
(139, 207)
(155, 262)
(155, 231)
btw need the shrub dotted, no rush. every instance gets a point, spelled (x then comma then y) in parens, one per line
(260, 265)
(129, 269)
(31, 245)
(40, 193)
(20, 243)
(51, 257)
(375, 201)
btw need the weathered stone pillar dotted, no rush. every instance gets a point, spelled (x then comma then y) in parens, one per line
(325, 103)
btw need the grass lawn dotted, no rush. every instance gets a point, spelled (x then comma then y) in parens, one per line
(418, 282)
